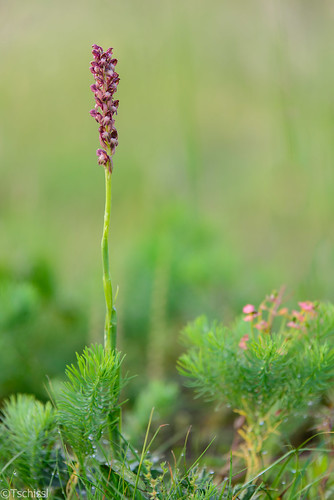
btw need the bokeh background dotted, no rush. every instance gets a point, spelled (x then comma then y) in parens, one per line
(222, 186)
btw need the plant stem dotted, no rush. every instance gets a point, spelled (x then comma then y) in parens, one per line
(110, 328)
(110, 321)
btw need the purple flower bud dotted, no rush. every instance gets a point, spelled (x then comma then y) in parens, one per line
(105, 120)
(103, 158)
(98, 101)
(104, 139)
(97, 51)
(95, 114)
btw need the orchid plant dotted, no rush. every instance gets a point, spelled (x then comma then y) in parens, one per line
(104, 88)
(75, 447)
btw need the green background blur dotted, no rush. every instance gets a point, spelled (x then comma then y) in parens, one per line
(223, 178)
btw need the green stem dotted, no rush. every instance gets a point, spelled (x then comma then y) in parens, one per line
(110, 328)
(110, 323)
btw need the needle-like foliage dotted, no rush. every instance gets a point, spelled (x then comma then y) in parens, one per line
(264, 372)
(88, 401)
(28, 433)
(281, 371)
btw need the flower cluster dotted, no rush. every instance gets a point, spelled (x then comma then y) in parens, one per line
(298, 319)
(106, 81)
(270, 308)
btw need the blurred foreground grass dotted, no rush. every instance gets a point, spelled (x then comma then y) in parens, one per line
(226, 111)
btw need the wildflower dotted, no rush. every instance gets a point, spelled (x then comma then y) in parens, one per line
(250, 312)
(250, 317)
(249, 309)
(293, 324)
(262, 325)
(103, 158)
(283, 312)
(273, 297)
(242, 343)
(106, 81)
(306, 306)
(299, 316)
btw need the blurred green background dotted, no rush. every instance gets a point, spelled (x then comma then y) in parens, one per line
(223, 178)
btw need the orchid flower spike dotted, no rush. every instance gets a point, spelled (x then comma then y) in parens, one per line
(104, 88)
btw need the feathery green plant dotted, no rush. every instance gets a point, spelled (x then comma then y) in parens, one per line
(265, 371)
(88, 401)
(28, 431)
